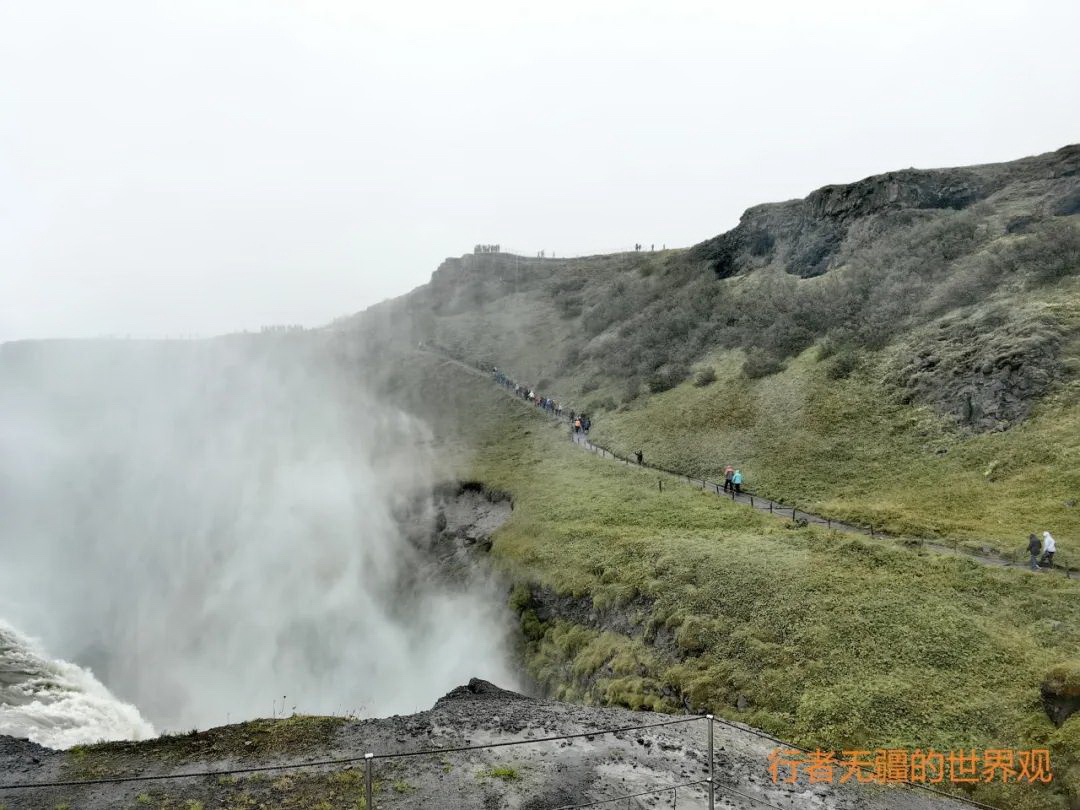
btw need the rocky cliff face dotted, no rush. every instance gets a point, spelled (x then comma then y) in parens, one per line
(986, 371)
(804, 235)
(910, 188)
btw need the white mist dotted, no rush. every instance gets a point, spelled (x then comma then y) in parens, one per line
(211, 527)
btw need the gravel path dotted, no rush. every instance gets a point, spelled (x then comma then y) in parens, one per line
(766, 505)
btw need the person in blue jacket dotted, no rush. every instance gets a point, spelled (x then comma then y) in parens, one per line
(736, 481)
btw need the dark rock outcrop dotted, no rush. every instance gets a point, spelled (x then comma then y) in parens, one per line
(479, 689)
(986, 372)
(805, 235)
(1060, 692)
(909, 188)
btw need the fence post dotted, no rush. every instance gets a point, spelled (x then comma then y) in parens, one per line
(828, 522)
(717, 489)
(368, 804)
(871, 529)
(660, 484)
(770, 507)
(709, 719)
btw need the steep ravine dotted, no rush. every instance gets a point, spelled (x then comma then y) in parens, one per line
(454, 531)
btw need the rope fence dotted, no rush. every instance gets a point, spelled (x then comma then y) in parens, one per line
(369, 757)
(743, 496)
(710, 783)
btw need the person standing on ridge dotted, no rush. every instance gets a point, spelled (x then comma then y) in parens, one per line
(1033, 547)
(729, 471)
(640, 456)
(1049, 547)
(736, 481)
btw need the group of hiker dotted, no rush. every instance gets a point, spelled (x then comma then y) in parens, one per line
(527, 393)
(732, 480)
(580, 423)
(1041, 551)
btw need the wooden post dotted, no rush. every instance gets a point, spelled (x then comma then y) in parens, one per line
(660, 484)
(751, 501)
(368, 804)
(709, 720)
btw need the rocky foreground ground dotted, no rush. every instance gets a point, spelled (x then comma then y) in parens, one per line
(534, 776)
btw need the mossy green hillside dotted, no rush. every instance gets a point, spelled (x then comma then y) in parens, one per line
(846, 448)
(825, 639)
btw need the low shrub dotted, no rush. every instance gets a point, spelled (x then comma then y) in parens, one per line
(667, 377)
(759, 363)
(602, 404)
(707, 376)
(842, 365)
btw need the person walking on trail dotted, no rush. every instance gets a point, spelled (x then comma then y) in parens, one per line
(736, 481)
(640, 457)
(729, 472)
(577, 425)
(1034, 547)
(1049, 547)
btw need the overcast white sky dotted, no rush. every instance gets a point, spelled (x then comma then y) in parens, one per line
(179, 167)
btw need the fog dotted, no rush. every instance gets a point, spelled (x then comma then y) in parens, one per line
(174, 167)
(214, 528)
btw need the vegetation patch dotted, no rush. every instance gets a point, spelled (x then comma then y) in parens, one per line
(256, 740)
(821, 638)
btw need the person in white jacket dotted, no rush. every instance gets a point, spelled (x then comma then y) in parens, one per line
(1049, 547)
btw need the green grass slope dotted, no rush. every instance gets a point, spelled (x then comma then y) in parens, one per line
(847, 449)
(903, 351)
(824, 639)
